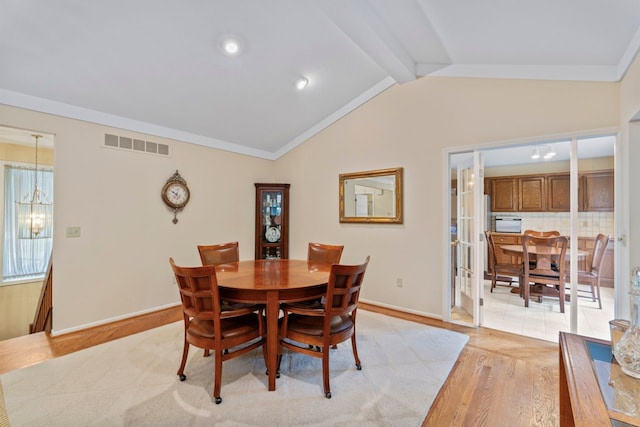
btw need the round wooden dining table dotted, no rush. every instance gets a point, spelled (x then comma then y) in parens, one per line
(554, 252)
(270, 282)
(517, 250)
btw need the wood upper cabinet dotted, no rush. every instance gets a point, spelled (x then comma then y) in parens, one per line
(558, 193)
(532, 194)
(504, 194)
(597, 191)
(551, 192)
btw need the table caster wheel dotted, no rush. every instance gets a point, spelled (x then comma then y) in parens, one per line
(218, 400)
(328, 395)
(359, 367)
(182, 377)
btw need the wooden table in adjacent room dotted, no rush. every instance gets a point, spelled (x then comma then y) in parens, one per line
(555, 253)
(270, 282)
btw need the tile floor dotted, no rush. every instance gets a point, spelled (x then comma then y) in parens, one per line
(506, 312)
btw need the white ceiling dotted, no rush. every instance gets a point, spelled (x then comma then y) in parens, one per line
(156, 66)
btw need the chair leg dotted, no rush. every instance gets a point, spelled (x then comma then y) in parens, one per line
(185, 353)
(217, 377)
(598, 290)
(325, 372)
(561, 297)
(355, 351)
(206, 352)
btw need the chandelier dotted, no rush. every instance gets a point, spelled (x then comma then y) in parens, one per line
(35, 211)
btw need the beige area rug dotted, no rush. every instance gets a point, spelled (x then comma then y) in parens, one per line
(132, 382)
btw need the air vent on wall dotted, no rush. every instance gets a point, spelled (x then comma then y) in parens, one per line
(132, 144)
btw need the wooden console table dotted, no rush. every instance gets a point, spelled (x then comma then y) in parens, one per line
(593, 389)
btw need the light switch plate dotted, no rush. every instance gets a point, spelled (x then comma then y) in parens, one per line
(73, 231)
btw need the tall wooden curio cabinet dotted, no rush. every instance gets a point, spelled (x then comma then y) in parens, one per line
(272, 221)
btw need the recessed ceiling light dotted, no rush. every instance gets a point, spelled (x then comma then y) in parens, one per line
(231, 46)
(301, 83)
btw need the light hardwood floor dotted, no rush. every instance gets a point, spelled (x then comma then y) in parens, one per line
(500, 379)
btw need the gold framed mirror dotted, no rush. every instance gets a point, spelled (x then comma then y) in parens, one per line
(371, 196)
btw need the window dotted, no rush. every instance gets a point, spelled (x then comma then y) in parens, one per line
(23, 258)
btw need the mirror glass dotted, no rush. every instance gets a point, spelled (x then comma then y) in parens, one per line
(371, 196)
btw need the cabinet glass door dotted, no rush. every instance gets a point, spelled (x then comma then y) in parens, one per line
(272, 224)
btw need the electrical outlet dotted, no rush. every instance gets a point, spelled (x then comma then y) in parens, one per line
(399, 282)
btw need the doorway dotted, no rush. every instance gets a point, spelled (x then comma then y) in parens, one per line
(20, 289)
(504, 310)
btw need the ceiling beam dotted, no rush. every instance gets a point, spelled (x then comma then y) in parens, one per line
(364, 27)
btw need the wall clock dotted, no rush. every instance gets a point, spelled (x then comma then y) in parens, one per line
(176, 194)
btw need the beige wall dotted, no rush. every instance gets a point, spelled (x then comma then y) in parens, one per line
(17, 308)
(630, 110)
(119, 264)
(410, 125)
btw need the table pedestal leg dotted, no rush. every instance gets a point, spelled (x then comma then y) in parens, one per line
(272, 336)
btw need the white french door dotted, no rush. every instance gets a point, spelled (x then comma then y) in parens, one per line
(470, 257)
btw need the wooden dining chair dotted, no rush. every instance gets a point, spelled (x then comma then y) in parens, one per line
(500, 270)
(320, 252)
(312, 331)
(549, 233)
(222, 253)
(207, 326)
(328, 254)
(591, 277)
(534, 233)
(542, 276)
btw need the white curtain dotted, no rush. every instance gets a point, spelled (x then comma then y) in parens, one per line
(23, 258)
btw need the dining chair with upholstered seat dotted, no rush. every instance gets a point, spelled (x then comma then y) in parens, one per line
(591, 277)
(501, 270)
(221, 253)
(312, 331)
(542, 276)
(320, 252)
(328, 254)
(209, 327)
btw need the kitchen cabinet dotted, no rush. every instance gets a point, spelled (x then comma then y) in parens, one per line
(532, 194)
(597, 191)
(558, 192)
(272, 221)
(551, 192)
(504, 194)
(500, 240)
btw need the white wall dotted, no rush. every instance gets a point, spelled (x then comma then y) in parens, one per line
(410, 125)
(119, 265)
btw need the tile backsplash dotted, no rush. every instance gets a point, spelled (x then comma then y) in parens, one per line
(589, 223)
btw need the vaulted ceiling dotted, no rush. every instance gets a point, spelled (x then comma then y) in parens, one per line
(157, 66)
